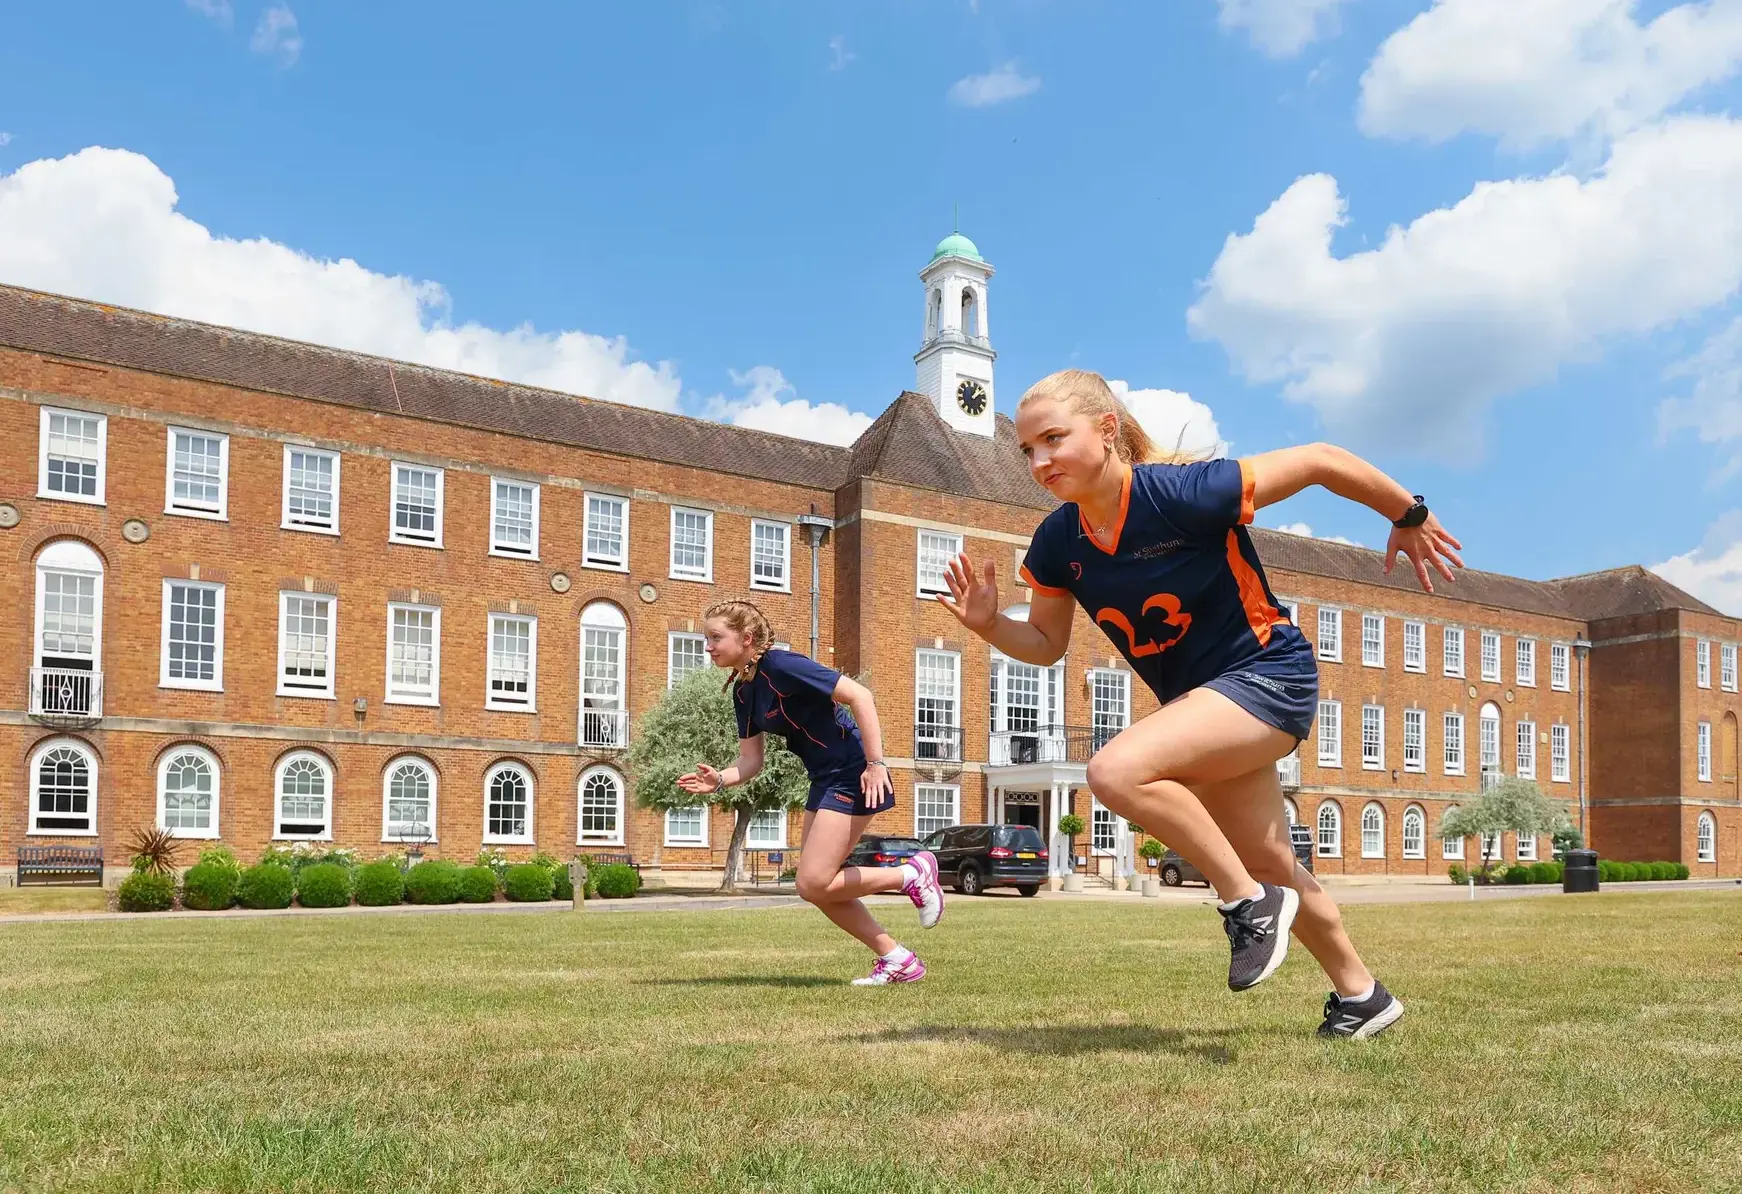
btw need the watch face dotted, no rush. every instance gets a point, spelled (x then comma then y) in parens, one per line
(971, 396)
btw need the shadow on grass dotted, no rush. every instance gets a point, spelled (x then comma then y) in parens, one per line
(747, 980)
(1070, 1040)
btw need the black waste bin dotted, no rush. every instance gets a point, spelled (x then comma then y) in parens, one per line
(1580, 873)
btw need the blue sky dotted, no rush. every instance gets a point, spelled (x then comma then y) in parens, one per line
(1514, 288)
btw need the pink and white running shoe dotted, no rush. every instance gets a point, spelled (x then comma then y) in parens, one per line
(883, 973)
(925, 891)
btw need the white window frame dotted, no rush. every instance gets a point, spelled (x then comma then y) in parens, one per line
(1524, 846)
(420, 695)
(493, 701)
(91, 764)
(1524, 760)
(953, 547)
(698, 842)
(1703, 663)
(1103, 827)
(706, 575)
(42, 490)
(68, 558)
(222, 512)
(394, 534)
(1703, 751)
(1331, 712)
(1706, 838)
(512, 839)
(1335, 849)
(513, 553)
(1448, 636)
(328, 772)
(774, 841)
(1373, 760)
(956, 742)
(1417, 717)
(1490, 662)
(671, 641)
(387, 774)
(1376, 656)
(1727, 666)
(162, 770)
(1448, 723)
(1368, 850)
(1451, 847)
(606, 698)
(1524, 661)
(1560, 762)
(332, 603)
(164, 679)
(785, 583)
(1330, 637)
(1419, 630)
(284, 519)
(1120, 680)
(1560, 667)
(1415, 813)
(619, 813)
(588, 560)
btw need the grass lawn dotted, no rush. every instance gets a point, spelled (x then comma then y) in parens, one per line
(17, 900)
(1578, 1044)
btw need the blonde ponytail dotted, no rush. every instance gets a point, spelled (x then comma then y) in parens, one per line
(1087, 393)
(744, 618)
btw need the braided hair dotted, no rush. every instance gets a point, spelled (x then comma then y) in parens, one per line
(742, 617)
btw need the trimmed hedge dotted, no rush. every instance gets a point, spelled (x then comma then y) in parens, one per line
(477, 885)
(528, 883)
(380, 884)
(209, 886)
(564, 888)
(147, 892)
(617, 881)
(433, 881)
(266, 885)
(324, 885)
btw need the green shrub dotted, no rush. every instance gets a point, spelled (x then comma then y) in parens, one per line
(433, 881)
(1546, 872)
(147, 891)
(618, 881)
(528, 883)
(1605, 871)
(210, 886)
(380, 884)
(1632, 872)
(1457, 874)
(1665, 870)
(266, 885)
(1681, 871)
(564, 888)
(324, 885)
(221, 856)
(477, 885)
(1518, 872)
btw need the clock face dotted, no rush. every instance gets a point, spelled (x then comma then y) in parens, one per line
(971, 396)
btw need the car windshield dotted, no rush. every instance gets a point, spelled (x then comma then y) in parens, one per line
(900, 843)
(1019, 837)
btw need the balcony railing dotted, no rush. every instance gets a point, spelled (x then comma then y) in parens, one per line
(1047, 744)
(1288, 768)
(938, 749)
(605, 729)
(65, 692)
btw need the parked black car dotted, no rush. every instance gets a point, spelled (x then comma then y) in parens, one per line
(1176, 870)
(972, 858)
(877, 849)
(1302, 837)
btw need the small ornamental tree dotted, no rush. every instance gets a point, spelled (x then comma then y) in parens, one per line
(1515, 804)
(694, 723)
(1071, 825)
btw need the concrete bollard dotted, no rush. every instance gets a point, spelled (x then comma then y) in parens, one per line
(578, 880)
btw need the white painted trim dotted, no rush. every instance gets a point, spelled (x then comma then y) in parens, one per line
(686, 842)
(530, 705)
(394, 534)
(393, 764)
(211, 832)
(283, 765)
(785, 585)
(537, 497)
(42, 489)
(284, 521)
(222, 513)
(164, 679)
(433, 697)
(621, 564)
(706, 576)
(91, 764)
(332, 603)
(621, 813)
(501, 839)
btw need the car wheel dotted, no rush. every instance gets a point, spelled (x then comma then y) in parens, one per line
(969, 882)
(1028, 889)
(1171, 876)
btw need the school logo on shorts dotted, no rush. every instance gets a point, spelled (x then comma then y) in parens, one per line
(843, 798)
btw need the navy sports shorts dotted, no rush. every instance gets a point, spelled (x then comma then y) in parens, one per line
(1280, 691)
(840, 793)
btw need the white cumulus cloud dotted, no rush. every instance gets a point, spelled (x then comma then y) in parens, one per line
(764, 406)
(996, 87)
(1713, 570)
(1173, 420)
(277, 34)
(1407, 343)
(1280, 28)
(102, 224)
(1306, 532)
(219, 10)
(1532, 72)
(1712, 409)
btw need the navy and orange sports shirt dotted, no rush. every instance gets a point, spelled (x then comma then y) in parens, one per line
(1176, 584)
(793, 694)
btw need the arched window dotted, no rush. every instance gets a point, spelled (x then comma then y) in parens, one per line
(1372, 832)
(1290, 810)
(971, 313)
(934, 315)
(1488, 743)
(1451, 847)
(1707, 838)
(63, 789)
(1330, 830)
(408, 794)
(187, 792)
(604, 648)
(600, 816)
(508, 804)
(1414, 832)
(67, 662)
(304, 797)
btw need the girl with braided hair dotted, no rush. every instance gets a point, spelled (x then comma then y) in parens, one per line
(791, 694)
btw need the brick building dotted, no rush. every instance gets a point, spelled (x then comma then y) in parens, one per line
(269, 591)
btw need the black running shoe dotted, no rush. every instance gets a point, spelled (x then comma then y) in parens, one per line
(1360, 1020)
(1258, 934)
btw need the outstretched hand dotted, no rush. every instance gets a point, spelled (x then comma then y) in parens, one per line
(1429, 543)
(702, 780)
(973, 600)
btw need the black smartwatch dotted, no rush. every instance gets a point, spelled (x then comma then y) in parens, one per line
(1414, 516)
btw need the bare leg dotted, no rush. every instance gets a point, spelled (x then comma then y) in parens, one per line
(828, 839)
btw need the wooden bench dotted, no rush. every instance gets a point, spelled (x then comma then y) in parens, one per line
(627, 860)
(62, 865)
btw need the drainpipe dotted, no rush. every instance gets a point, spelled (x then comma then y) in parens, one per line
(1582, 647)
(818, 527)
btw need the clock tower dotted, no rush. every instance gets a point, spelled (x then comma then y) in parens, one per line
(954, 363)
